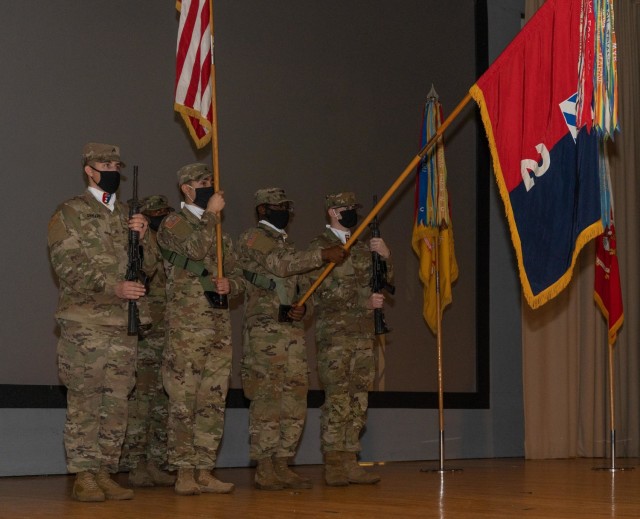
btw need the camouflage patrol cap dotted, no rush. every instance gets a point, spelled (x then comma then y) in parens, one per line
(345, 199)
(154, 203)
(195, 171)
(272, 195)
(98, 152)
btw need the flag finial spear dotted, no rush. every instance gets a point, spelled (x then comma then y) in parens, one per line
(432, 93)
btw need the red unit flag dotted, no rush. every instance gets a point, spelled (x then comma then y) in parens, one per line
(545, 163)
(607, 289)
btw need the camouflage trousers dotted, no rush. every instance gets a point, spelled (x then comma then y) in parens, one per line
(96, 364)
(275, 378)
(346, 369)
(195, 371)
(146, 437)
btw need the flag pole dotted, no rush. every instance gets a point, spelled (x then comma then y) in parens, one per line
(221, 300)
(385, 198)
(441, 442)
(439, 347)
(612, 416)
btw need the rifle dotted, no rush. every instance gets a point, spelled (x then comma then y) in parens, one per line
(134, 265)
(379, 277)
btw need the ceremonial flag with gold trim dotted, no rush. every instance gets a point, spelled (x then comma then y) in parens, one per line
(432, 220)
(545, 161)
(193, 69)
(607, 290)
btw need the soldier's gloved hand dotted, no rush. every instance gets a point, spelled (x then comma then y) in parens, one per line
(334, 254)
(297, 312)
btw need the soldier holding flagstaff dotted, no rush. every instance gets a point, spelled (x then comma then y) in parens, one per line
(274, 364)
(345, 338)
(197, 359)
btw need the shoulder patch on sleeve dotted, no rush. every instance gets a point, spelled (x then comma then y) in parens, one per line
(170, 221)
(56, 231)
(258, 241)
(178, 226)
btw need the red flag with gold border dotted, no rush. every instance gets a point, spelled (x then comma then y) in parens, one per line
(607, 288)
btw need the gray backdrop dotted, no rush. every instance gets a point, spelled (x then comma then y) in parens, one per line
(80, 70)
(315, 97)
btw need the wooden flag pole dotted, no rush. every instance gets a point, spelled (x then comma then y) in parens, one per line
(441, 439)
(612, 416)
(612, 408)
(385, 198)
(436, 249)
(214, 140)
(220, 300)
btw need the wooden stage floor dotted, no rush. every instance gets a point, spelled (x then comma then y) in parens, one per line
(488, 488)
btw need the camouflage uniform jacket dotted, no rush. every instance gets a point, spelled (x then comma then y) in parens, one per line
(157, 295)
(88, 248)
(264, 251)
(185, 234)
(340, 301)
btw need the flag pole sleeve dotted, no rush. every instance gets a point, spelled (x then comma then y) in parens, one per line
(385, 198)
(214, 139)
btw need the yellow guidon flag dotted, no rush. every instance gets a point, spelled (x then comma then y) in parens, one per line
(432, 221)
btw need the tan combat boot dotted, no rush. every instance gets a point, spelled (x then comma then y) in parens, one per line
(288, 476)
(265, 478)
(355, 473)
(139, 475)
(185, 483)
(86, 489)
(110, 488)
(208, 483)
(159, 477)
(334, 472)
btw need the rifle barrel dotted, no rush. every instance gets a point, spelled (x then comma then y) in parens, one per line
(134, 263)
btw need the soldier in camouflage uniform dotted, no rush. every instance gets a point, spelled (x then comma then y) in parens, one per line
(274, 364)
(144, 452)
(88, 238)
(345, 338)
(197, 358)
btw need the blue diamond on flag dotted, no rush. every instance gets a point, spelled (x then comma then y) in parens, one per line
(568, 108)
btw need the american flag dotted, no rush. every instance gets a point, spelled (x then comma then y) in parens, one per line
(193, 69)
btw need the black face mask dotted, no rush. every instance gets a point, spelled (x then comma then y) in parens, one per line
(155, 221)
(109, 180)
(203, 194)
(348, 218)
(277, 218)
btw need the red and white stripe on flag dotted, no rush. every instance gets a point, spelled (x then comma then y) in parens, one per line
(193, 69)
